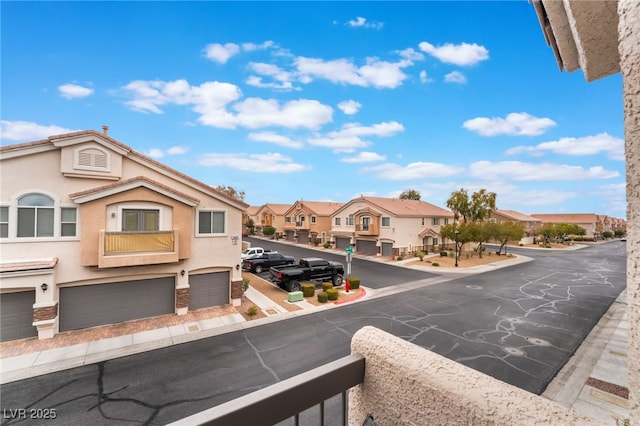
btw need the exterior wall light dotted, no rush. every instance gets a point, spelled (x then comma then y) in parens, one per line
(182, 273)
(44, 287)
(237, 267)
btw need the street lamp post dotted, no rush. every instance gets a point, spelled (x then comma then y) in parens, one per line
(456, 242)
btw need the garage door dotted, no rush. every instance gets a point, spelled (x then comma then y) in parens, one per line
(99, 304)
(303, 237)
(290, 235)
(209, 290)
(16, 315)
(342, 242)
(387, 249)
(366, 247)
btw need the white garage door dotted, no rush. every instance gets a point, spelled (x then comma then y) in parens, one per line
(91, 305)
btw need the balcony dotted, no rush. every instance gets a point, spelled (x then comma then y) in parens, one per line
(398, 383)
(367, 229)
(137, 248)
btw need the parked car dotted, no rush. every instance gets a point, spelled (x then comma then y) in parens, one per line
(289, 277)
(252, 252)
(266, 261)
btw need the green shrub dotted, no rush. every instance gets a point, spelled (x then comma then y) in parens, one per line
(399, 258)
(308, 289)
(443, 254)
(326, 286)
(332, 294)
(323, 297)
(269, 231)
(420, 255)
(327, 245)
(245, 284)
(521, 245)
(435, 264)
(354, 282)
(252, 311)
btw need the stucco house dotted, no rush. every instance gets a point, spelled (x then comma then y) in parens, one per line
(587, 221)
(270, 214)
(308, 221)
(389, 226)
(93, 232)
(530, 223)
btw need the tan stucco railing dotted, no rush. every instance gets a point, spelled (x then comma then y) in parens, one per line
(137, 242)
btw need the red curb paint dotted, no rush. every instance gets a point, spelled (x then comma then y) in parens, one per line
(362, 294)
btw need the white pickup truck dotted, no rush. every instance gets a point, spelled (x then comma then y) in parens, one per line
(252, 252)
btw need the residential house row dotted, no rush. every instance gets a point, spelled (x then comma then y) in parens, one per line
(393, 226)
(93, 233)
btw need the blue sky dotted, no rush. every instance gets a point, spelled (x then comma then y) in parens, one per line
(323, 101)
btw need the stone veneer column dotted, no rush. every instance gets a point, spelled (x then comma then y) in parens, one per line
(182, 300)
(236, 293)
(629, 42)
(44, 319)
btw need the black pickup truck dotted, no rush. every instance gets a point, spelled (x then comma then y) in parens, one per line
(309, 269)
(266, 261)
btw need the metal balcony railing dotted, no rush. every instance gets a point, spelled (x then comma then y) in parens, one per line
(289, 398)
(138, 242)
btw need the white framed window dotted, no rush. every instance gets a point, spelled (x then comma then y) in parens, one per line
(287, 219)
(68, 221)
(350, 220)
(435, 221)
(435, 241)
(313, 219)
(337, 221)
(446, 220)
(386, 221)
(35, 216)
(211, 222)
(423, 221)
(4, 221)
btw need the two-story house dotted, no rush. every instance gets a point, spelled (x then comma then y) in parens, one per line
(587, 221)
(309, 221)
(530, 223)
(389, 226)
(270, 214)
(93, 232)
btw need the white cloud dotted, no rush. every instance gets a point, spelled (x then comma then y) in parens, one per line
(350, 107)
(385, 129)
(284, 78)
(455, 77)
(250, 47)
(364, 157)
(519, 171)
(463, 54)
(376, 73)
(588, 145)
(73, 91)
(361, 22)
(28, 131)
(260, 163)
(177, 150)
(411, 54)
(515, 124)
(211, 100)
(339, 143)
(221, 52)
(302, 113)
(424, 78)
(274, 138)
(159, 153)
(417, 170)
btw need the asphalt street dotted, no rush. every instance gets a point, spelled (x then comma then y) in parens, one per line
(519, 324)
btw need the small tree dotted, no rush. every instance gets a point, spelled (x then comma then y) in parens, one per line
(410, 194)
(232, 192)
(505, 232)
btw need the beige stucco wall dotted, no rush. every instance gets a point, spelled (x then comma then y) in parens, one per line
(629, 36)
(405, 384)
(197, 253)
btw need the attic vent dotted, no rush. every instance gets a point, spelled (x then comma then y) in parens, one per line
(91, 159)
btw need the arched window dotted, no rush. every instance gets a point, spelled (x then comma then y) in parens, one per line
(35, 216)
